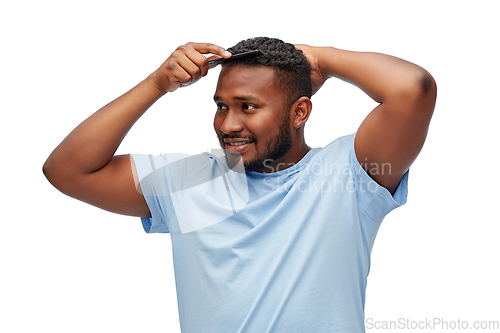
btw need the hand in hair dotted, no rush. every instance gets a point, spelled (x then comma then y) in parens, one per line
(312, 55)
(186, 65)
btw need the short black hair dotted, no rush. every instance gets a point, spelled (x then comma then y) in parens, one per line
(291, 68)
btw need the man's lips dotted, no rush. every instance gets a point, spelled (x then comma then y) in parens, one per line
(237, 144)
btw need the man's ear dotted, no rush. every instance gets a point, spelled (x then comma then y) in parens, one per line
(302, 110)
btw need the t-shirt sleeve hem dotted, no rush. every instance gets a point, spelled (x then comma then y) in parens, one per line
(373, 199)
(156, 223)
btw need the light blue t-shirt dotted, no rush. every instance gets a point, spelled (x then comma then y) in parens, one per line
(287, 251)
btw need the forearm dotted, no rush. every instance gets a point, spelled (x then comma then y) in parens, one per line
(92, 144)
(382, 77)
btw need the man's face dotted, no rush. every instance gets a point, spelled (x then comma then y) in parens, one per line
(250, 121)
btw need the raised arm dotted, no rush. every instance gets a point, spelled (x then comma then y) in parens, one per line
(83, 166)
(392, 135)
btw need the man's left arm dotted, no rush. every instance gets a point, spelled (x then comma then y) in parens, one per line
(392, 135)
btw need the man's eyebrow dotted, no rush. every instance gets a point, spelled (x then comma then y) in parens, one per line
(238, 98)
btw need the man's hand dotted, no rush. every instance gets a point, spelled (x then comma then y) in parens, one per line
(186, 65)
(313, 56)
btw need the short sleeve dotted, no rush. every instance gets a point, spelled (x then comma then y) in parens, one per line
(373, 199)
(153, 184)
(184, 192)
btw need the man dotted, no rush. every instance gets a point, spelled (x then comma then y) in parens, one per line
(286, 248)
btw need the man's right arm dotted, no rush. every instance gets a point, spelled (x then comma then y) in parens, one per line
(84, 166)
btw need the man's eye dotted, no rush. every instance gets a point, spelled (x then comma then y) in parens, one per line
(221, 107)
(249, 107)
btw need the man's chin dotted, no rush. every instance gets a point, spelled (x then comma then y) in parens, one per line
(254, 165)
(235, 162)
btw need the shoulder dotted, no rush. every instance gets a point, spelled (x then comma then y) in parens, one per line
(338, 150)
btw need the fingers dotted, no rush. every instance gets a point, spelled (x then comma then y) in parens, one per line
(187, 64)
(195, 51)
(206, 48)
(217, 51)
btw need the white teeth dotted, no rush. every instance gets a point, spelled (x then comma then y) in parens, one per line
(238, 143)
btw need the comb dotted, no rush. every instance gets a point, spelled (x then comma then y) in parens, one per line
(215, 62)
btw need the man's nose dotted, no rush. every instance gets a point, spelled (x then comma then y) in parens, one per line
(231, 123)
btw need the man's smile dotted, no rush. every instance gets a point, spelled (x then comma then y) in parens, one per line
(237, 144)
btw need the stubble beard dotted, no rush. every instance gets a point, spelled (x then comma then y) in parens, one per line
(277, 147)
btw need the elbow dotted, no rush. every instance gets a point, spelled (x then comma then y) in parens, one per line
(54, 173)
(47, 170)
(411, 89)
(418, 95)
(427, 93)
(427, 84)
(420, 85)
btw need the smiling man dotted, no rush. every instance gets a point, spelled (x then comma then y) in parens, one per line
(260, 130)
(271, 235)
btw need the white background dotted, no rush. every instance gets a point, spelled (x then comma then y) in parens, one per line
(68, 267)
